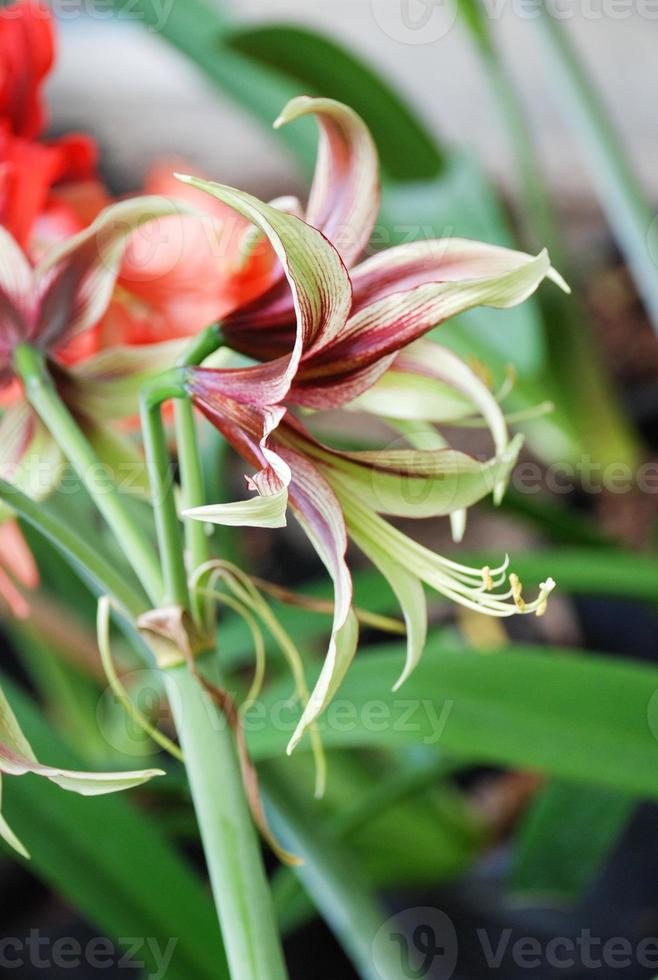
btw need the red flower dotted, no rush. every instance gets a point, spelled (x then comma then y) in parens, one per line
(26, 57)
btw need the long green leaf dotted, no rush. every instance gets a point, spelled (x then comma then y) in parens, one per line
(621, 196)
(564, 839)
(199, 30)
(582, 387)
(88, 560)
(582, 717)
(323, 67)
(342, 894)
(110, 861)
(395, 814)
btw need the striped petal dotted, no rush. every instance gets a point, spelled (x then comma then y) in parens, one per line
(76, 279)
(29, 456)
(16, 301)
(404, 267)
(248, 429)
(317, 281)
(429, 383)
(344, 199)
(364, 350)
(408, 591)
(316, 508)
(407, 482)
(107, 384)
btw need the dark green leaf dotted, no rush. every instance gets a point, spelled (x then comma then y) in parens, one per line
(565, 838)
(323, 67)
(584, 717)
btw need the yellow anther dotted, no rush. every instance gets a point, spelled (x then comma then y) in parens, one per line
(517, 589)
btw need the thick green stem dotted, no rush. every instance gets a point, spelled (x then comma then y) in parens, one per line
(44, 398)
(189, 461)
(235, 864)
(162, 496)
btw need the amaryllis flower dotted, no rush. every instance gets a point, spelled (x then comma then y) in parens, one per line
(52, 307)
(187, 271)
(29, 167)
(328, 337)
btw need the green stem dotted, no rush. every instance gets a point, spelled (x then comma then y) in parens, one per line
(162, 489)
(192, 492)
(235, 864)
(189, 461)
(44, 398)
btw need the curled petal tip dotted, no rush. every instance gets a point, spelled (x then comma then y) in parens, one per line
(559, 280)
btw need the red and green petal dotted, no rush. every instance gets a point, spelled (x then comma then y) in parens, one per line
(316, 508)
(316, 280)
(248, 429)
(344, 199)
(407, 482)
(359, 356)
(76, 279)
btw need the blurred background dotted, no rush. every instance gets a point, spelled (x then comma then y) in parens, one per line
(516, 124)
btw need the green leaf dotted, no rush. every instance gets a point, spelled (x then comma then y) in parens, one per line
(564, 839)
(87, 559)
(399, 819)
(579, 716)
(110, 861)
(341, 892)
(582, 385)
(323, 67)
(200, 31)
(622, 198)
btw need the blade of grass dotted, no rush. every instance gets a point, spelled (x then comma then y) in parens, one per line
(321, 66)
(582, 385)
